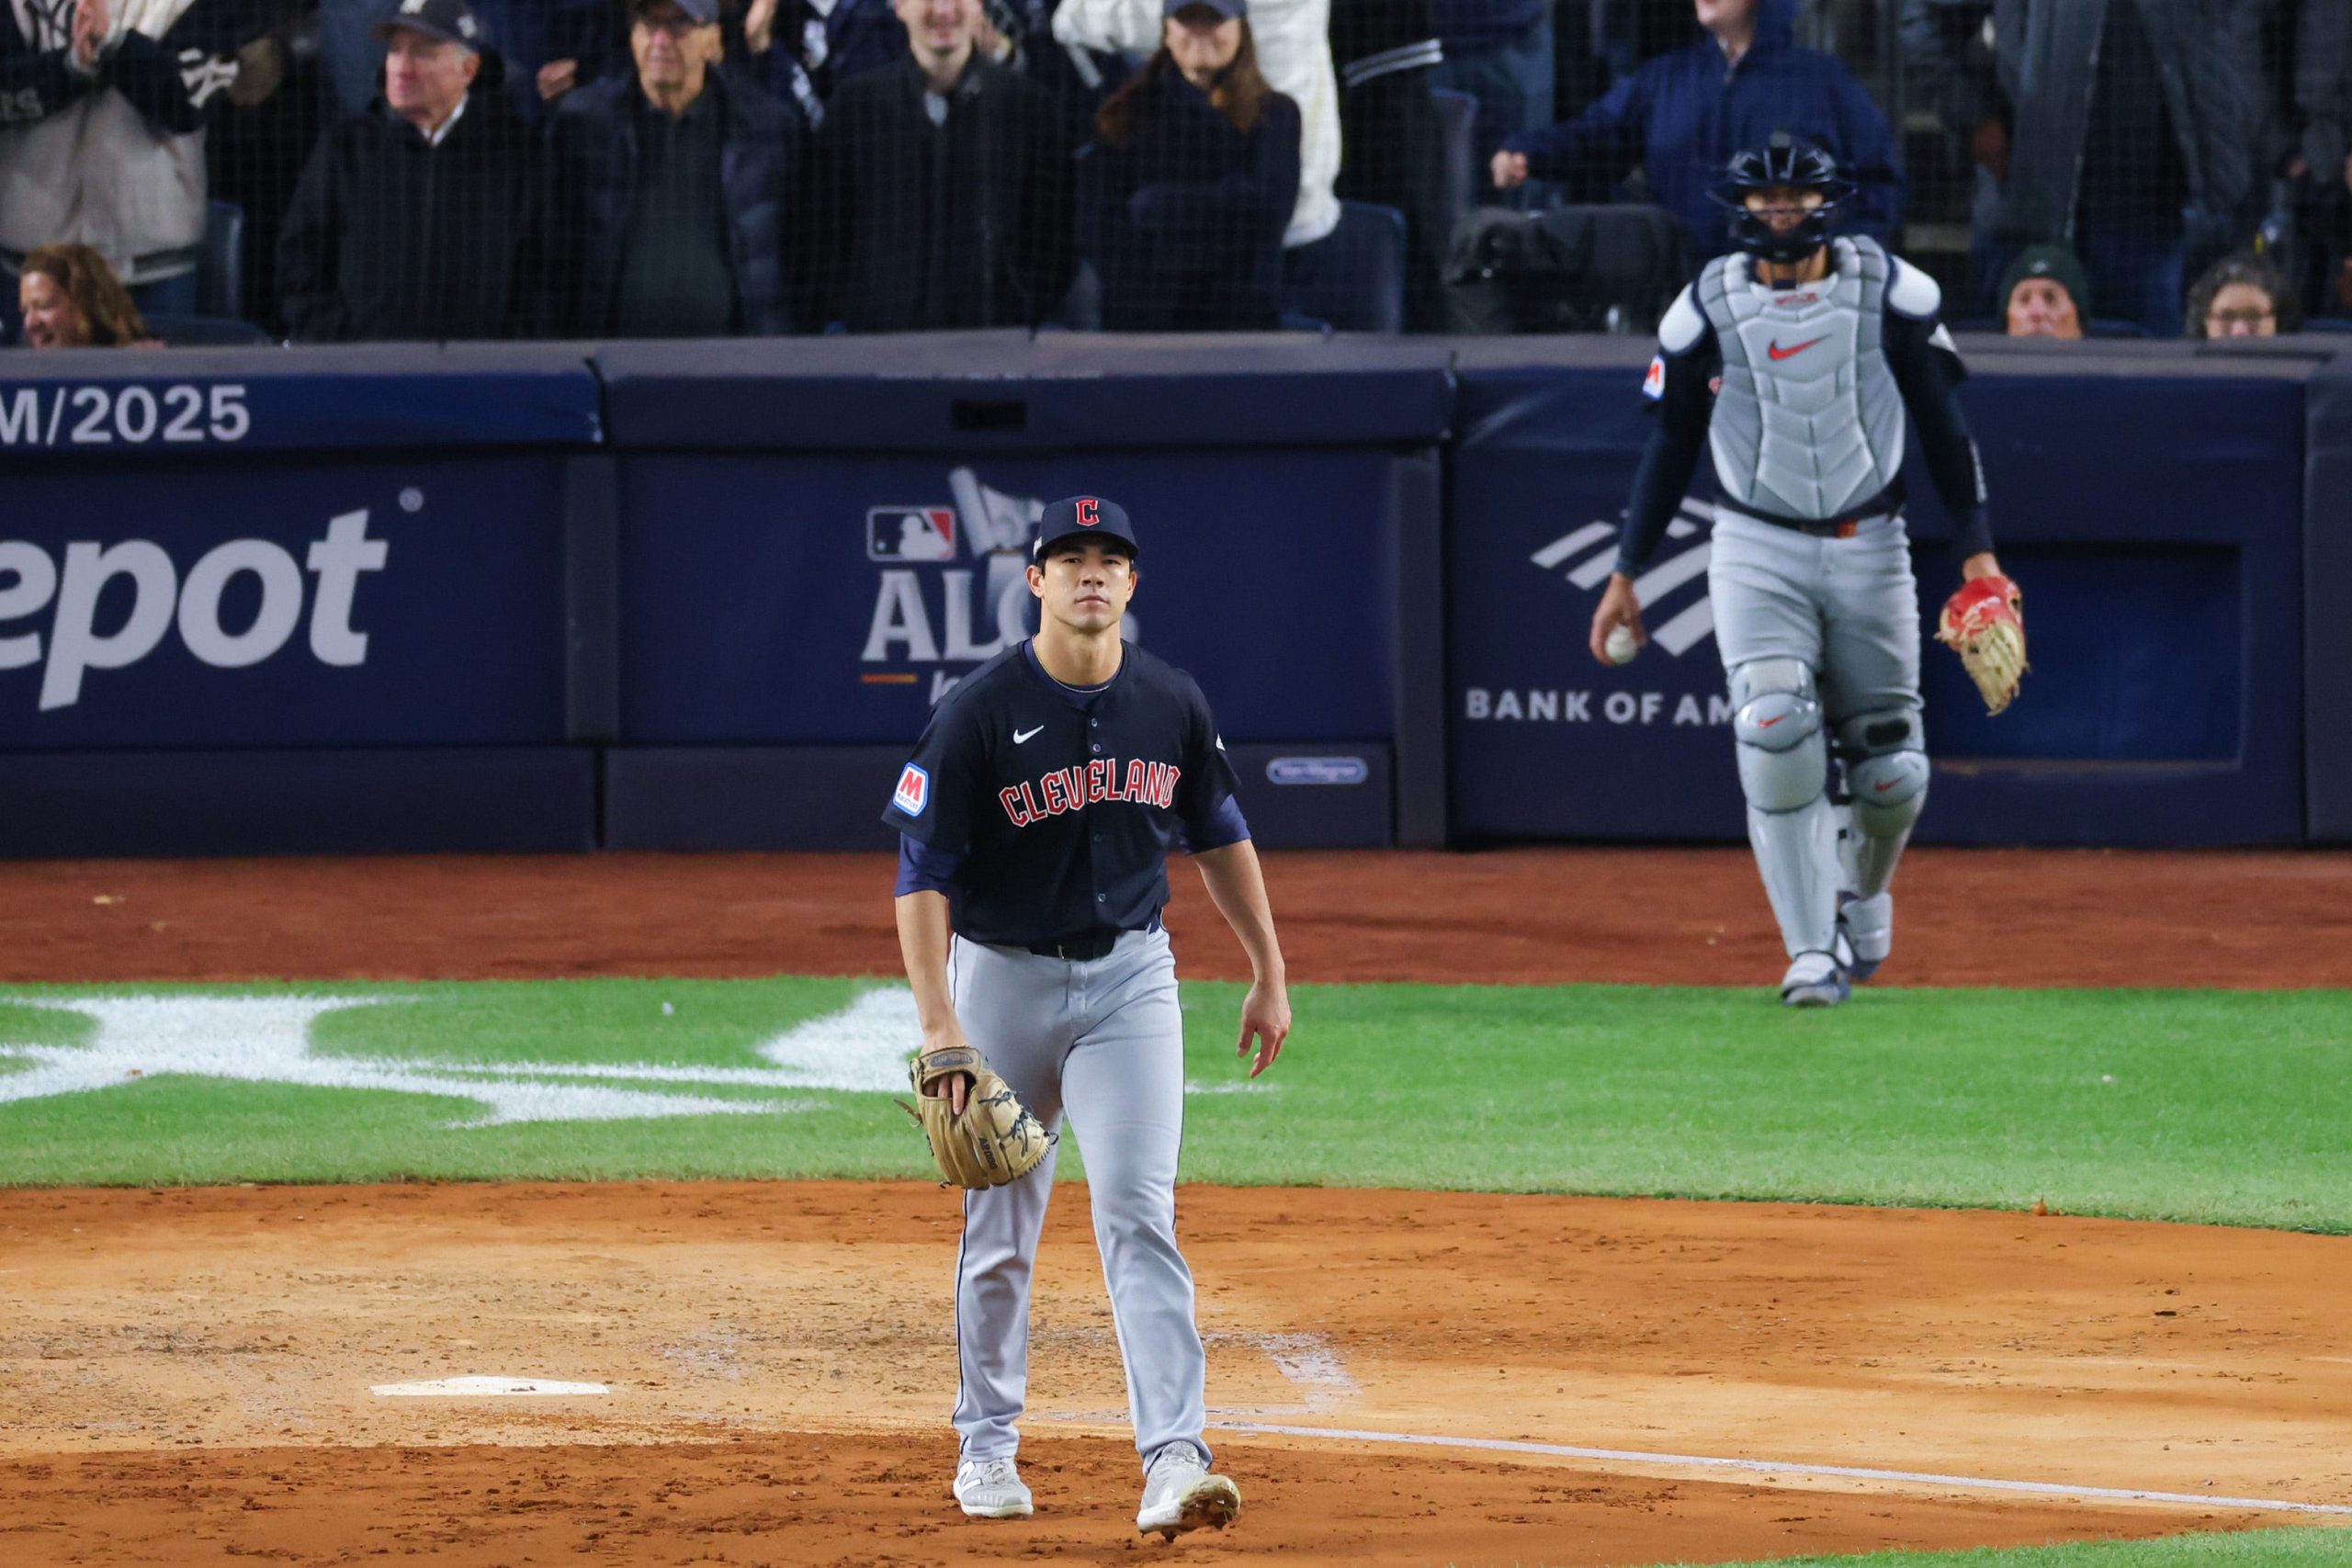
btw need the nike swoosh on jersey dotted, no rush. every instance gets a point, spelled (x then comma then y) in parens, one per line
(1020, 737)
(1778, 353)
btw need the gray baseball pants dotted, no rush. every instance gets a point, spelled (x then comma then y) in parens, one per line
(1848, 610)
(1102, 1044)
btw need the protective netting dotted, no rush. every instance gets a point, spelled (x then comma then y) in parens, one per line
(323, 170)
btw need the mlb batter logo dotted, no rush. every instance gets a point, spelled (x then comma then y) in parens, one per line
(1653, 384)
(913, 792)
(910, 533)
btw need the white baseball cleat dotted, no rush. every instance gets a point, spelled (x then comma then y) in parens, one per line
(1815, 980)
(1868, 927)
(991, 1489)
(1179, 1495)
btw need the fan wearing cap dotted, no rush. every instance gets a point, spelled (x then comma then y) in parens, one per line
(1191, 181)
(417, 218)
(1799, 361)
(672, 184)
(1035, 817)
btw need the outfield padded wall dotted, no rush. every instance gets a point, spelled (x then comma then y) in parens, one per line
(2327, 603)
(625, 595)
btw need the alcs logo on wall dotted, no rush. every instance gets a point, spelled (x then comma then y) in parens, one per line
(161, 599)
(953, 587)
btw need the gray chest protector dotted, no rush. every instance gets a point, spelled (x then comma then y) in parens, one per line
(1809, 421)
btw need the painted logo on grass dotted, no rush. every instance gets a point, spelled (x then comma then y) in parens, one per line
(864, 1047)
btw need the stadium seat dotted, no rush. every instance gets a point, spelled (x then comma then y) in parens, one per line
(1457, 118)
(1353, 278)
(205, 331)
(220, 263)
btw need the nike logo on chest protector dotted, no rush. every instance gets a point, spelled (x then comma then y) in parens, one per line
(1809, 421)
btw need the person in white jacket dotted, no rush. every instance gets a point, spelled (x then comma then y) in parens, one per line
(1293, 40)
(102, 133)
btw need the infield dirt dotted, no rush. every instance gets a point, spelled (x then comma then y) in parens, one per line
(185, 1375)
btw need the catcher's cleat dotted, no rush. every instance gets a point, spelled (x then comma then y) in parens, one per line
(1815, 980)
(991, 1489)
(1179, 1495)
(1865, 933)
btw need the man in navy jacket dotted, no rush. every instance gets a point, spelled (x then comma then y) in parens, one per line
(672, 187)
(1682, 115)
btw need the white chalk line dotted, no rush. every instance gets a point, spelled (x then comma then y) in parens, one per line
(1776, 1467)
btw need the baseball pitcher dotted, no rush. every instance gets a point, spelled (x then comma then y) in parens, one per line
(1036, 818)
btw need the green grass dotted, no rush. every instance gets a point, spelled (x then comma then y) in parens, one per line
(2251, 1549)
(2190, 1105)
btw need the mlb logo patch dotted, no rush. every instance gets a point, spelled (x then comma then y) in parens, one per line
(910, 533)
(913, 792)
(1653, 384)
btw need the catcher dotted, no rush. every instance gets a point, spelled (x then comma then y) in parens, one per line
(1797, 358)
(1036, 818)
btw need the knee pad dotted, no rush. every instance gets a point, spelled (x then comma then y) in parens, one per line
(1886, 772)
(1776, 718)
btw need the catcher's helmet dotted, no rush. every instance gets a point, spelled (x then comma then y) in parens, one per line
(1782, 161)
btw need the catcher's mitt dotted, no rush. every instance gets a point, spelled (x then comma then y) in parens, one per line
(996, 1140)
(1983, 621)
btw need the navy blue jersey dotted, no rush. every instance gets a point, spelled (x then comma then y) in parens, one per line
(1057, 808)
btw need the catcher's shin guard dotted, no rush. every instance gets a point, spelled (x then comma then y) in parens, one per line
(1887, 777)
(1783, 767)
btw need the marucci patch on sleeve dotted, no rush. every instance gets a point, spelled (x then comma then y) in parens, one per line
(1654, 383)
(913, 792)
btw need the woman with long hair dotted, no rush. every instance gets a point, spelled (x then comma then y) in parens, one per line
(71, 298)
(1184, 196)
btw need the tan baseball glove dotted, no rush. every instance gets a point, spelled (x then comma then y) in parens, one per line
(1983, 621)
(995, 1141)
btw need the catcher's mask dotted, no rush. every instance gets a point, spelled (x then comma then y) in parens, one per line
(1783, 162)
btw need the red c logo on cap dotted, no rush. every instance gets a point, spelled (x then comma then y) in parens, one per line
(1089, 511)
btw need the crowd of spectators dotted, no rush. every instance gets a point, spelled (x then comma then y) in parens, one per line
(432, 169)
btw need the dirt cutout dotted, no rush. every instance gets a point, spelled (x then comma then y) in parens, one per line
(1650, 915)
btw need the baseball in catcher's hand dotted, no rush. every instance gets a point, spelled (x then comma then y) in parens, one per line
(1620, 611)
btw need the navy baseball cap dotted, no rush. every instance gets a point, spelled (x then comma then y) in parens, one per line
(1229, 9)
(1079, 516)
(703, 11)
(452, 20)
